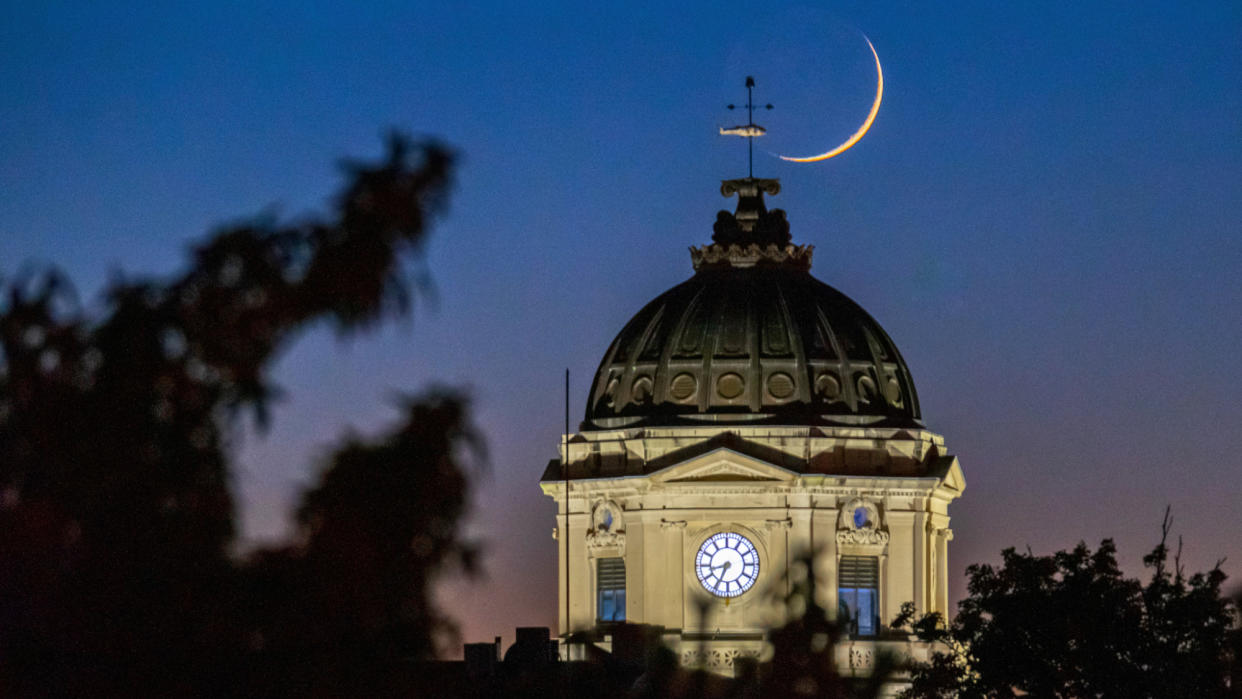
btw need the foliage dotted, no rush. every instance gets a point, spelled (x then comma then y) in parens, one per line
(338, 612)
(804, 660)
(116, 518)
(1071, 625)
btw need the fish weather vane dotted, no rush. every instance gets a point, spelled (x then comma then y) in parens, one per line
(750, 129)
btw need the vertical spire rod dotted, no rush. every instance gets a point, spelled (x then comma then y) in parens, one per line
(565, 473)
(750, 121)
(750, 129)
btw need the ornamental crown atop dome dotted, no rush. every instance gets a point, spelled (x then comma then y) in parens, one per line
(751, 235)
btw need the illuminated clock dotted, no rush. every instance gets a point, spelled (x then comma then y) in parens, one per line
(727, 564)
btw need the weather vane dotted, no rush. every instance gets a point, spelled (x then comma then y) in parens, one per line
(750, 129)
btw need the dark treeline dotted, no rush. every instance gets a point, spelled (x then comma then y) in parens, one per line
(1072, 625)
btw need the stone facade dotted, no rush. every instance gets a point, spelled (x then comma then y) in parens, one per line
(789, 490)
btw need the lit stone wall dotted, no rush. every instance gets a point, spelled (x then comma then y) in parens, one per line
(652, 496)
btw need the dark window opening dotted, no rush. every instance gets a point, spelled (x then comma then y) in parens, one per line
(858, 595)
(610, 582)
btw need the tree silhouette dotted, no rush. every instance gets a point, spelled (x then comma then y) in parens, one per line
(804, 661)
(115, 511)
(1071, 625)
(341, 611)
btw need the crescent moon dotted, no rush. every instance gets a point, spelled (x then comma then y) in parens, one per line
(862, 130)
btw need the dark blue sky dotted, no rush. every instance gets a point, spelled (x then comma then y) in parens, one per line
(1046, 217)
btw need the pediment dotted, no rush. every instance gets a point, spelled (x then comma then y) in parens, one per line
(722, 465)
(950, 473)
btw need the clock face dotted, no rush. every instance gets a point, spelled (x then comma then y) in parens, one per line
(727, 564)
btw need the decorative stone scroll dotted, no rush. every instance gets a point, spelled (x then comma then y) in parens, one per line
(750, 187)
(860, 524)
(607, 528)
(873, 537)
(938, 531)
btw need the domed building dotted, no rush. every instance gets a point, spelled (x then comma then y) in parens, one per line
(744, 420)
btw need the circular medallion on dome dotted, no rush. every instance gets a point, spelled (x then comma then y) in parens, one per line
(866, 389)
(682, 386)
(730, 385)
(780, 385)
(892, 390)
(827, 386)
(640, 392)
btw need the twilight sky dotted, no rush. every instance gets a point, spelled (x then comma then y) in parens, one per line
(1046, 217)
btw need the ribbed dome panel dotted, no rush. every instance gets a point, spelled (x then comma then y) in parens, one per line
(752, 345)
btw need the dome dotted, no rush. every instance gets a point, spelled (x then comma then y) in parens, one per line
(752, 338)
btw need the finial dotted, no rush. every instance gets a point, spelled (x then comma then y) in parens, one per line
(753, 236)
(752, 222)
(750, 129)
